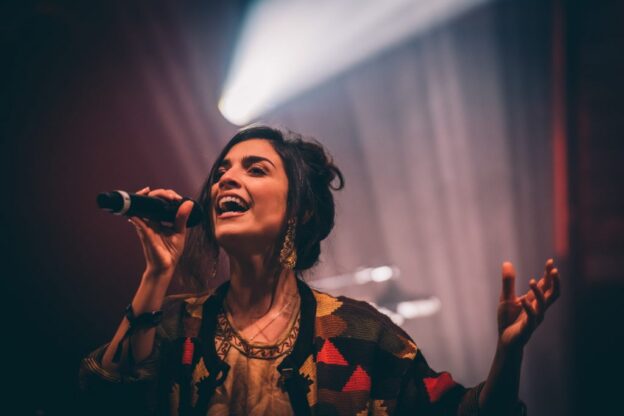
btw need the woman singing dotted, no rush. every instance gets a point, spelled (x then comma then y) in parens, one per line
(264, 342)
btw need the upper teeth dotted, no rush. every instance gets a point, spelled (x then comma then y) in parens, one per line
(234, 199)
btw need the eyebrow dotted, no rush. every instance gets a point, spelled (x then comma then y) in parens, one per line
(247, 161)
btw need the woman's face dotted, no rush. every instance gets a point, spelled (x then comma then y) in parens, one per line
(249, 196)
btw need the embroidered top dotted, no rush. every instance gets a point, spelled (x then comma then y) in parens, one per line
(253, 385)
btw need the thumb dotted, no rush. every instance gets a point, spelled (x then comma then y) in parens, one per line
(508, 292)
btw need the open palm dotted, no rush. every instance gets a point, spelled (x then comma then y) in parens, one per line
(518, 317)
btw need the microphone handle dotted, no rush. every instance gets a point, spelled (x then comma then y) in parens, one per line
(156, 209)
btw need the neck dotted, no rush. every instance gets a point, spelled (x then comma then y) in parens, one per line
(256, 288)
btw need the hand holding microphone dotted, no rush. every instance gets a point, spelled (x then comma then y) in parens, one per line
(147, 209)
(162, 245)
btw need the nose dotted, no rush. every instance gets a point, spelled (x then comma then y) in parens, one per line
(229, 180)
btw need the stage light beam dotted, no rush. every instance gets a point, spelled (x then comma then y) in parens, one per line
(289, 46)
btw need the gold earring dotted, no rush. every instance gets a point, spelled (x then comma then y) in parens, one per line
(288, 253)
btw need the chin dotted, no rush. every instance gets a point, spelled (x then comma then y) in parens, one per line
(227, 234)
(236, 238)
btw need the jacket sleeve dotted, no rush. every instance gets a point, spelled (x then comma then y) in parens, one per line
(132, 391)
(427, 392)
(137, 389)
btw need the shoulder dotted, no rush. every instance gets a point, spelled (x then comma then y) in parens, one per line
(351, 309)
(356, 320)
(327, 304)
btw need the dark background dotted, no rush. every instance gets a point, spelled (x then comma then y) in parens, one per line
(78, 118)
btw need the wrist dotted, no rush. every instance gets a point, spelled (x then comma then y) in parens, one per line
(151, 291)
(148, 319)
(510, 346)
(157, 277)
(509, 353)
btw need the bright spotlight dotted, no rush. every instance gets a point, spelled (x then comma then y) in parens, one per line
(289, 46)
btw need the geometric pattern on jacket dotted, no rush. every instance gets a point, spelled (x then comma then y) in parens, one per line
(348, 359)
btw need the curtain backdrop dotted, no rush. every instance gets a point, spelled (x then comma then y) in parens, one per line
(445, 143)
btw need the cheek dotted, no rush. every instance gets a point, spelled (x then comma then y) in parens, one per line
(271, 210)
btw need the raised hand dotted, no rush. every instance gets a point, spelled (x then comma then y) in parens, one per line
(162, 247)
(519, 316)
(162, 244)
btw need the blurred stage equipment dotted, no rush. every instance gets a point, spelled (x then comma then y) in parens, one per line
(393, 301)
(286, 47)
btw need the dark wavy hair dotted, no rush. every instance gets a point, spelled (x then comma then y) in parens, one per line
(312, 176)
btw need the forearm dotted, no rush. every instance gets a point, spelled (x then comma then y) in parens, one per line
(149, 297)
(499, 395)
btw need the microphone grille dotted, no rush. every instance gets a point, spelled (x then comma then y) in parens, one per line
(110, 201)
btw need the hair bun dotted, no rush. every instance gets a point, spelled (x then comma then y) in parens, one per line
(321, 164)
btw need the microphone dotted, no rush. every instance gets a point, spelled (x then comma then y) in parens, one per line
(142, 206)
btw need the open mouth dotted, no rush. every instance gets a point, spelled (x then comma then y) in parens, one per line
(231, 205)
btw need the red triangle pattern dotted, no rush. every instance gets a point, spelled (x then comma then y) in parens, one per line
(329, 354)
(437, 386)
(359, 381)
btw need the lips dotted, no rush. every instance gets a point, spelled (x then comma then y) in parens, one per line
(230, 214)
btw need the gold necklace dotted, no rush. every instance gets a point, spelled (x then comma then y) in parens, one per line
(277, 314)
(250, 339)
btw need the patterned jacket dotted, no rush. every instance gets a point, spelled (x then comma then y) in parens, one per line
(348, 359)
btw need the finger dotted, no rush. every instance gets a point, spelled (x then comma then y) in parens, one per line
(139, 226)
(137, 222)
(184, 212)
(530, 312)
(555, 291)
(546, 280)
(509, 278)
(148, 230)
(540, 300)
(174, 194)
(145, 223)
(146, 237)
(545, 283)
(167, 194)
(143, 191)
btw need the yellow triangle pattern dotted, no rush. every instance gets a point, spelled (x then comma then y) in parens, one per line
(325, 304)
(379, 409)
(308, 371)
(200, 372)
